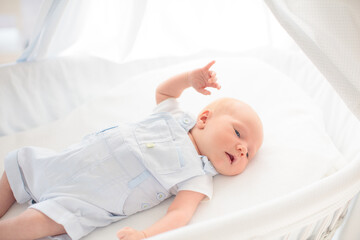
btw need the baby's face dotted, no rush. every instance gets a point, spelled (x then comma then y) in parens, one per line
(230, 139)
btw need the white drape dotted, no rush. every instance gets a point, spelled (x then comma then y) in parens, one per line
(328, 31)
(136, 29)
(101, 28)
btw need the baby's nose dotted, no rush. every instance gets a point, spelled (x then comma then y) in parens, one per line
(242, 150)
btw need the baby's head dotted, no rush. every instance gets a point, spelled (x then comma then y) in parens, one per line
(229, 133)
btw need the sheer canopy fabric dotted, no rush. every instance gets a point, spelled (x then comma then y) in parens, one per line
(102, 28)
(128, 30)
(328, 31)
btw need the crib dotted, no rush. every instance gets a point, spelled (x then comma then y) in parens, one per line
(287, 193)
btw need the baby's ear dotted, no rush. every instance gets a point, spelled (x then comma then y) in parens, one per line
(203, 118)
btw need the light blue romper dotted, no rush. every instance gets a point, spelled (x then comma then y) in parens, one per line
(113, 173)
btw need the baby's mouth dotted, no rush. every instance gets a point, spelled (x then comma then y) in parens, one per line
(231, 157)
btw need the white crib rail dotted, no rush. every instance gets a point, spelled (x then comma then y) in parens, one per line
(322, 229)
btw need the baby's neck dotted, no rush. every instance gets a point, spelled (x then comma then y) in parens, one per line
(193, 141)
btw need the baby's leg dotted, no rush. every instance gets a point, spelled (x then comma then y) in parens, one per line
(6, 195)
(31, 224)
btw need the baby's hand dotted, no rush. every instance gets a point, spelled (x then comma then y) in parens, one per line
(202, 78)
(128, 233)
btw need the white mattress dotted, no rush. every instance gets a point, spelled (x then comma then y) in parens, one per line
(297, 149)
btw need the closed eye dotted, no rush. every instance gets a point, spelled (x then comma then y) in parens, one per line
(237, 133)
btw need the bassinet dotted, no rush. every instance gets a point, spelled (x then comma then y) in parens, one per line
(313, 211)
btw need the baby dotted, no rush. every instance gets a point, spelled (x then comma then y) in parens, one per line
(121, 170)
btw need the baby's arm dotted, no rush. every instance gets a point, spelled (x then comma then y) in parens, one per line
(179, 214)
(199, 79)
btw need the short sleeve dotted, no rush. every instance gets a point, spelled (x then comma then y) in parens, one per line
(170, 105)
(202, 184)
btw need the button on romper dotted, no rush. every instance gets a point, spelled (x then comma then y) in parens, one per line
(113, 173)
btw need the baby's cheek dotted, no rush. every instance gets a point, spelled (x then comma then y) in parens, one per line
(220, 139)
(244, 165)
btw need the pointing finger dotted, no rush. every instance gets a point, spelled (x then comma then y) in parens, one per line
(208, 66)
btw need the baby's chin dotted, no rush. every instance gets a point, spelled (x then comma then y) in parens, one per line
(228, 172)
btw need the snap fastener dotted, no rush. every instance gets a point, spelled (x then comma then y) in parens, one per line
(145, 206)
(150, 145)
(186, 120)
(160, 196)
